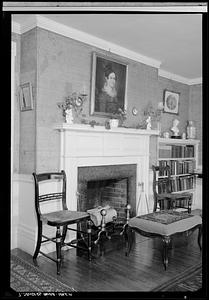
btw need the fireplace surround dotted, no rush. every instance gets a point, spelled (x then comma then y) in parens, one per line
(83, 146)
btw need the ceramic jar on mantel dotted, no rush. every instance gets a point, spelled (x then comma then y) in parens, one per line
(114, 123)
(191, 130)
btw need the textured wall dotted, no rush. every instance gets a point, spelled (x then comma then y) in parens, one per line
(16, 137)
(183, 89)
(64, 65)
(195, 113)
(28, 66)
(166, 120)
(56, 66)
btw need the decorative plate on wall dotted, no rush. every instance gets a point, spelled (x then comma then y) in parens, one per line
(135, 111)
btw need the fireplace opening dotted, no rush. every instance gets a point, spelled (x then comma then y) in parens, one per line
(112, 192)
(113, 185)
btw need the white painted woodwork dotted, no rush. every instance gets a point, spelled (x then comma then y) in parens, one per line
(37, 20)
(182, 142)
(83, 145)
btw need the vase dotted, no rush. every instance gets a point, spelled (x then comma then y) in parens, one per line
(191, 130)
(114, 123)
(159, 127)
(69, 116)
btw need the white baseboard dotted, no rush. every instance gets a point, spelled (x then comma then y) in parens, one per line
(14, 228)
(27, 240)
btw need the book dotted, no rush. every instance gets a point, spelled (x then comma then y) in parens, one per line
(165, 151)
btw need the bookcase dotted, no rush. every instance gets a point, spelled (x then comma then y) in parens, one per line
(182, 157)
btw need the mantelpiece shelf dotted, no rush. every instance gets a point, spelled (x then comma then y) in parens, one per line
(102, 129)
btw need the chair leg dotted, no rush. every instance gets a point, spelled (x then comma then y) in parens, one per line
(58, 249)
(89, 239)
(189, 206)
(39, 238)
(64, 234)
(199, 237)
(166, 242)
(129, 240)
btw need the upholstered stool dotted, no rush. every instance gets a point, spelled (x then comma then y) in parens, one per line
(164, 224)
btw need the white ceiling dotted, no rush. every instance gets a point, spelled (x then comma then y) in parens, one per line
(173, 39)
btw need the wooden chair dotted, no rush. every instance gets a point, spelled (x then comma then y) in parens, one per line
(60, 218)
(164, 198)
(164, 222)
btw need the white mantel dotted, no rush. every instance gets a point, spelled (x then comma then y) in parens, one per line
(82, 145)
(123, 130)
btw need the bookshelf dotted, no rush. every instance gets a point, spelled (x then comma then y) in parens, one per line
(182, 157)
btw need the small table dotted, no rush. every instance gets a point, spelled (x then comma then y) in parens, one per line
(164, 224)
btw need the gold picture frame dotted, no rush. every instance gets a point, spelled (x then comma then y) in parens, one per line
(100, 105)
(171, 102)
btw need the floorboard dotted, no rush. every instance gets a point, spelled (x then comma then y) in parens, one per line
(141, 271)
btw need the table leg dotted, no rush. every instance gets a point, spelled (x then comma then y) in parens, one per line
(199, 237)
(166, 242)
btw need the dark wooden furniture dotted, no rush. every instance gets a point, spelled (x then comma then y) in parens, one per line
(162, 191)
(61, 218)
(164, 222)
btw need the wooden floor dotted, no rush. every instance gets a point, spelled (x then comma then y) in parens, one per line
(141, 271)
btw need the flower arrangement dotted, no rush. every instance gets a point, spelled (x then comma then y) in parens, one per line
(121, 115)
(73, 102)
(155, 114)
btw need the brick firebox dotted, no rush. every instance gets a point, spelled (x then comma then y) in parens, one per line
(101, 185)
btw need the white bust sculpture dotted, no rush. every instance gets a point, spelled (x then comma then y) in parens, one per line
(175, 128)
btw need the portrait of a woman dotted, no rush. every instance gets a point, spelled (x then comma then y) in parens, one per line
(107, 100)
(109, 86)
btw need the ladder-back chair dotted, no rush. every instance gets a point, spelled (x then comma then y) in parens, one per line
(46, 204)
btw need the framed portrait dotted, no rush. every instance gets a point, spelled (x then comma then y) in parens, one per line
(26, 97)
(171, 102)
(108, 86)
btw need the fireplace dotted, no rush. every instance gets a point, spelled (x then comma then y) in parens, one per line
(113, 185)
(93, 154)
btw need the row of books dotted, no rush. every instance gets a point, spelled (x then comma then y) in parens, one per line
(177, 184)
(182, 183)
(177, 167)
(176, 151)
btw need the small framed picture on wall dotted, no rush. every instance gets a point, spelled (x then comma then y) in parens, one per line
(171, 102)
(26, 97)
